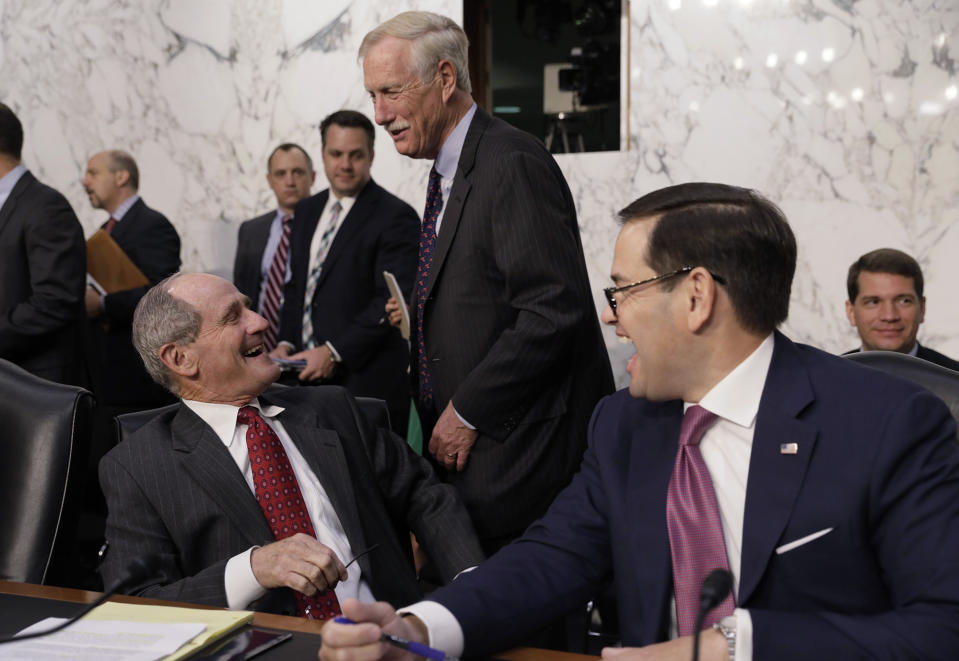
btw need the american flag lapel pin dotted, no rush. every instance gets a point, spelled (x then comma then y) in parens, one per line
(789, 448)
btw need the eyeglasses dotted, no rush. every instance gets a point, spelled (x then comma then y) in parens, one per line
(611, 292)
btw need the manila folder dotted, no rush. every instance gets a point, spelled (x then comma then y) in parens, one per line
(110, 266)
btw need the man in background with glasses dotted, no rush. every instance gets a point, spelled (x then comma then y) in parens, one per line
(829, 492)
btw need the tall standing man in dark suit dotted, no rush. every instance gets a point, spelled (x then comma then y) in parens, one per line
(830, 491)
(342, 240)
(188, 492)
(508, 358)
(886, 304)
(266, 239)
(112, 180)
(42, 269)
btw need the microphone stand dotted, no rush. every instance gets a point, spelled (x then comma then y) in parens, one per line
(717, 585)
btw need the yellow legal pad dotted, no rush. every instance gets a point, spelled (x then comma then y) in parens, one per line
(218, 622)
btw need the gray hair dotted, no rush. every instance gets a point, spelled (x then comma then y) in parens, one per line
(434, 38)
(162, 318)
(122, 161)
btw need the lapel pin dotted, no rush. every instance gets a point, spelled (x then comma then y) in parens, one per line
(789, 448)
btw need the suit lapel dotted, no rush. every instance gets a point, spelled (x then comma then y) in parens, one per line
(350, 227)
(652, 457)
(453, 211)
(775, 478)
(203, 456)
(323, 451)
(6, 211)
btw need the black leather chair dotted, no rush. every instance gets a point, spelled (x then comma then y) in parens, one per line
(46, 436)
(940, 381)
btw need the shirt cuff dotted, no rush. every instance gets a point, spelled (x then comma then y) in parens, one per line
(285, 343)
(240, 584)
(333, 352)
(744, 635)
(462, 419)
(442, 628)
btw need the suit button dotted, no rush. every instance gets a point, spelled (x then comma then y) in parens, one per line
(434, 360)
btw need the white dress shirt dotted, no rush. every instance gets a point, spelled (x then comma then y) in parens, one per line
(241, 585)
(726, 447)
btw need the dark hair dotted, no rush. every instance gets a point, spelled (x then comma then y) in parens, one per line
(288, 146)
(733, 232)
(120, 160)
(884, 260)
(11, 132)
(349, 119)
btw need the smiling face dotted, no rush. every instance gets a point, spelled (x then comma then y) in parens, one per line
(412, 111)
(887, 312)
(645, 316)
(347, 159)
(290, 177)
(227, 362)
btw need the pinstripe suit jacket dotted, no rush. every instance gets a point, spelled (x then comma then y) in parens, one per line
(510, 327)
(176, 497)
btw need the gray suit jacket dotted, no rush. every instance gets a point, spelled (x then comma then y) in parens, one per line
(176, 497)
(510, 327)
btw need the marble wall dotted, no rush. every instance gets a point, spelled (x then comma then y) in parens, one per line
(844, 112)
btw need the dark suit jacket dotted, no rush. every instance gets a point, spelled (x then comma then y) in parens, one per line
(43, 266)
(380, 233)
(935, 357)
(251, 242)
(877, 462)
(175, 496)
(510, 327)
(151, 242)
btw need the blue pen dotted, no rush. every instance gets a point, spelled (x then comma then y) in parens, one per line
(408, 645)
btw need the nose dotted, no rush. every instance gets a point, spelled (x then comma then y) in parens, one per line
(381, 113)
(256, 324)
(888, 311)
(608, 316)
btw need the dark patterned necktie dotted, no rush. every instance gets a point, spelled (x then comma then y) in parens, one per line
(326, 240)
(273, 295)
(278, 494)
(695, 530)
(109, 225)
(434, 205)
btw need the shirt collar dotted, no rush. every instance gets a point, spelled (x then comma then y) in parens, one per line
(222, 417)
(10, 179)
(449, 155)
(736, 397)
(121, 210)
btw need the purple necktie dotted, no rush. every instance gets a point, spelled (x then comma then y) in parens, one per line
(695, 530)
(434, 204)
(273, 296)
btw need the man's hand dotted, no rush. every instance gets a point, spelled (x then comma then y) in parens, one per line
(393, 313)
(712, 647)
(92, 300)
(282, 350)
(452, 441)
(319, 363)
(299, 562)
(361, 641)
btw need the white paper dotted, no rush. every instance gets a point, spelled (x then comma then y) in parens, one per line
(91, 640)
(397, 293)
(91, 281)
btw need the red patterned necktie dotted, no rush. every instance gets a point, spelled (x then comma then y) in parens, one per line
(695, 530)
(109, 225)
(273, 295)
(278, 494)
(434, 204)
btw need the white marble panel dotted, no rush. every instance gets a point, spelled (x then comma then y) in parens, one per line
(844, 112)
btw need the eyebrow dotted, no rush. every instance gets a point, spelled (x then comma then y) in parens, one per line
(234, 309)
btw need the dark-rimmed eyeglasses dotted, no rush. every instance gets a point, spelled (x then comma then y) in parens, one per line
(611, 292)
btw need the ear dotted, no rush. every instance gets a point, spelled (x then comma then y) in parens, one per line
(312, 178)
(700, 296)
(121, 177)
(922, 311)
(850, 314)
(447, 74)
(372, 154)
(179, 359)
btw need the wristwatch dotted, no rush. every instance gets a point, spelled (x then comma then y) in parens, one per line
(727, 627)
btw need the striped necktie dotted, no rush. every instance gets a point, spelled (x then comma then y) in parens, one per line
(309, 341)
(273, 295)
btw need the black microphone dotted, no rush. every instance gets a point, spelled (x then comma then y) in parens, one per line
(136, 570)
(717, 585)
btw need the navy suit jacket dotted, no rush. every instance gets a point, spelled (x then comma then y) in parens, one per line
(380, 233)
(151, 242)
(176, 498)
(43, 264)
(877, 462)
(251, 242)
